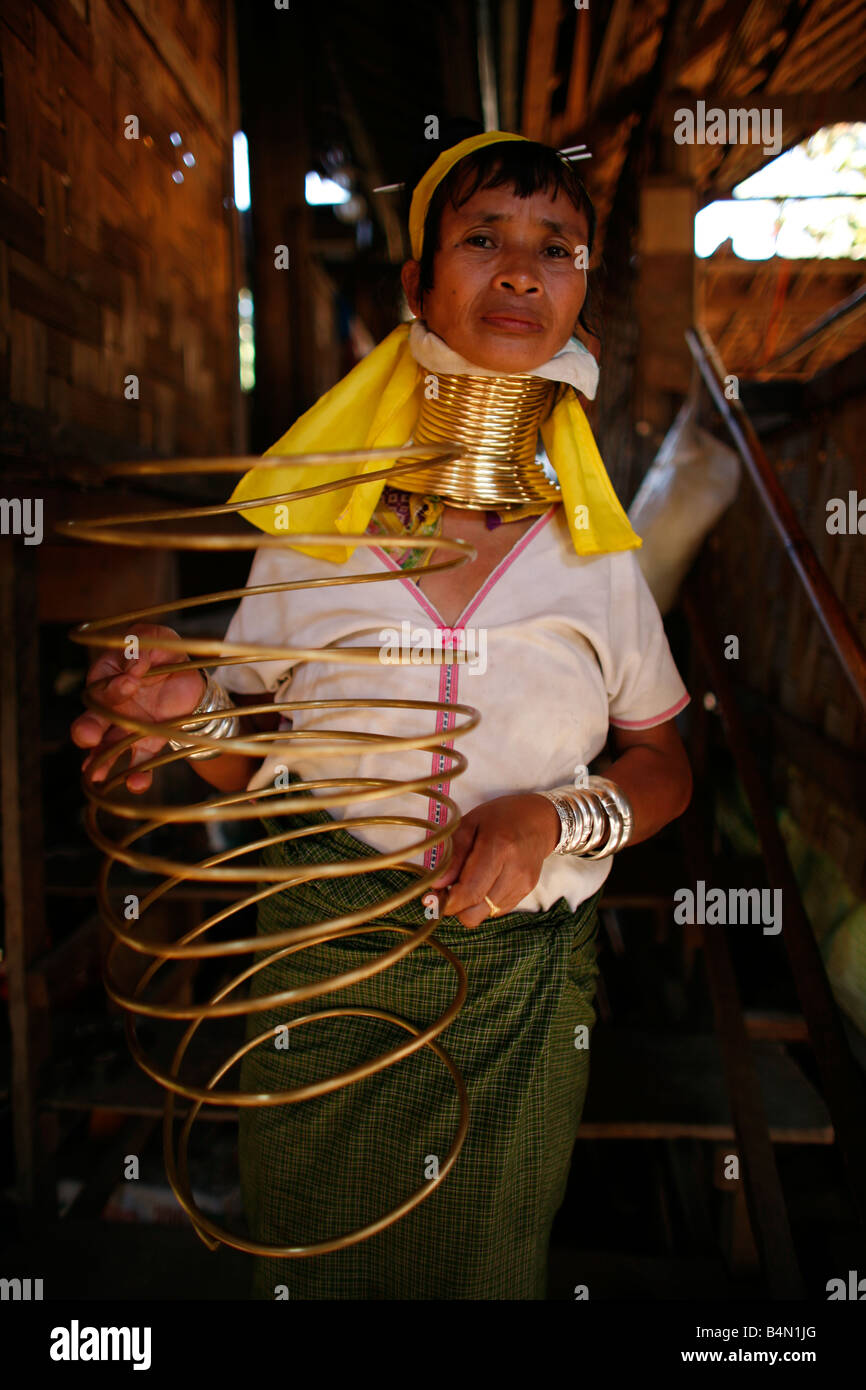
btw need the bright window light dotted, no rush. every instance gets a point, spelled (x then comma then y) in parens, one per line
(318, 191)
(246, 337)
(810, 202)
(242, 171)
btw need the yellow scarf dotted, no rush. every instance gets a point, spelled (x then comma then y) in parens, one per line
(377, 406)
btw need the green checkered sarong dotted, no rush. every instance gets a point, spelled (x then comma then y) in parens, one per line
(315, 1169)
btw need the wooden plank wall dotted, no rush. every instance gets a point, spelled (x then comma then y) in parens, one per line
(108, 267)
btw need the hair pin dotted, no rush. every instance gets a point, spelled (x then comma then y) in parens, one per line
(571, 152)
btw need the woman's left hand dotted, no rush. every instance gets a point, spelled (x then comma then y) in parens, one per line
(499, 849)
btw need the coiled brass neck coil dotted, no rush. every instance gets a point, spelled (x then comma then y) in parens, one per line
(494, 420)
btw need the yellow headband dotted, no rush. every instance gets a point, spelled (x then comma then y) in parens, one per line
(427, 186)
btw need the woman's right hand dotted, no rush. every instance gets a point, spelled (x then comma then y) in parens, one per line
(172, 696)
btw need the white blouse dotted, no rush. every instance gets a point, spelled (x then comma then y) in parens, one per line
(557, 647)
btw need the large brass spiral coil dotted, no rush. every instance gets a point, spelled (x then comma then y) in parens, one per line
(229, 1000)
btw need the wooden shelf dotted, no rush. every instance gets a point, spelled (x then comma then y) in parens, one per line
(654, 1085)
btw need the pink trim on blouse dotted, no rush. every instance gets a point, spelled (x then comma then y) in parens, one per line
(449, 678)
(656, 718)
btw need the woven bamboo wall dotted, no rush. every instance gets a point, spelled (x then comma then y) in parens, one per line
(108, 267)
(784, 653)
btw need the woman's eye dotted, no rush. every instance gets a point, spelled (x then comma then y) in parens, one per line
(483, 239)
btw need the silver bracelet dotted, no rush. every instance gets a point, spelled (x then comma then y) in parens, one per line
(582, 820)
(619, 813)
(574, 819)
(215, 699)
(586, 813)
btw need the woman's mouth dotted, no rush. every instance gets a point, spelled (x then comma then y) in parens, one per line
(512, 323)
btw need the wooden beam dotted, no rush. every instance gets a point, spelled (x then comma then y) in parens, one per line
(614, 33)
(540, 76)
(456, 39)
(23, 849)
(849, 310)
(577, 100)
(274, 118)
(725, 264)
(808, 109)
(722, 24)
(776, 1026)
(742, 34)
(667, 276)
(487, 81)
(372, 173)
(229, 39)
(509, 37)
(836, 621)
(808, 52)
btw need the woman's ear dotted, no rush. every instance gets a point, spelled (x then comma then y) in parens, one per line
(410, 279)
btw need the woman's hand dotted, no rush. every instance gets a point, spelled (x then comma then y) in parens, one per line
(172, 696)
(499, 849)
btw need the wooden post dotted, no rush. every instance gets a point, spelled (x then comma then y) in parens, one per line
(23, 858)
(236, 268)
(279, 160)
(665, 297)
(540, 60)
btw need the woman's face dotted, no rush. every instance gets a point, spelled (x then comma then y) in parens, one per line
(506, 294)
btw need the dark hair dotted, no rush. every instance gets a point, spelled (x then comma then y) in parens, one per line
(524, 165)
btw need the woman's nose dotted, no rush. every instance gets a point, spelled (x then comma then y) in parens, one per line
(518, 276)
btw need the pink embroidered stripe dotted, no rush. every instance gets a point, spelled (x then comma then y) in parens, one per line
(409, 584)
(656, 718)
(448, 685)
(449, 680)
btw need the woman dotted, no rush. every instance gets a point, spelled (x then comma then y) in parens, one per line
(501, 233)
